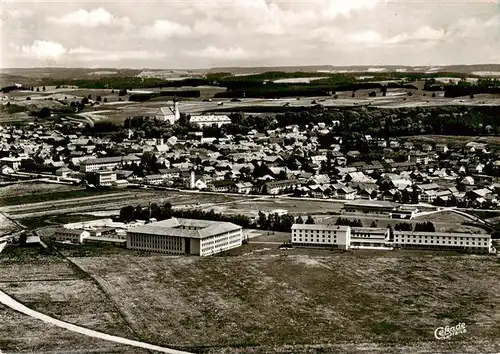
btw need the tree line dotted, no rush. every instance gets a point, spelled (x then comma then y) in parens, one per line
(419, 227)
(270, 221)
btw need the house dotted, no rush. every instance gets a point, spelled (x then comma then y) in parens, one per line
(394, 144)
(277, 187)
(12, 162)
(441, 148)
(63, 172)
(242, 188)
(220, 186)
(418, 157)
(170, 173)
(6, 170)
(156, 179)
(408, 145)
(467, 181)
(72, 235)
(367, 193)
(346, 193)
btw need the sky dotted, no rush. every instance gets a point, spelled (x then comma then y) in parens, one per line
(188, 34)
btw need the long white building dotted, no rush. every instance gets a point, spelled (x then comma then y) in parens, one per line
(479, 243)
(185, 236)
(345, 237)
(321, 236)
(209, 120)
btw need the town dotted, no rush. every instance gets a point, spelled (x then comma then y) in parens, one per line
(304, 161)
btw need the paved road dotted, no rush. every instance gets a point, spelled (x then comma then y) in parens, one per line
(17, 306)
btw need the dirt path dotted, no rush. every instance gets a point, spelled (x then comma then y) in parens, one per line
(17, 306)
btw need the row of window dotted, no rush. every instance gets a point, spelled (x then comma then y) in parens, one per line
(444, 242)
(444, 237)
(312, 240)
(317, 231)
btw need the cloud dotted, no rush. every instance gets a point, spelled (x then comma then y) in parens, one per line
(81, 50)
(18, 14)
(45, 50)
(162, 29)
(210, 27)
(334, 8)
(212, 52)
(93, 18)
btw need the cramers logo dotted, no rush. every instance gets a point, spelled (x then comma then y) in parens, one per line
(448, 332)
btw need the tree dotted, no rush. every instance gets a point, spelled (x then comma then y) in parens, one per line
(309, 220)
(127, 213)
(404, 226)
(373, 224)
(85, 100)
(425, 227)
(262, 221)
(23, 239)
(43, 88)
(28, 98)
(299, 220)
(44, 113)
(105, 100)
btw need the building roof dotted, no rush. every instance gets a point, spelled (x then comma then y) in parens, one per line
(319, 227)
(171, 226)
(71, 231)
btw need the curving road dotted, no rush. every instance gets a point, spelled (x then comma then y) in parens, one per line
(17, 306)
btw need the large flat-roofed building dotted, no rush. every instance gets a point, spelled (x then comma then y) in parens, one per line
(185, 236)
(71, 235)
(107, 163)
(479, 243)
(369, 237)
(391, 209)
(345, 237)
(209, 120)
(321, 236)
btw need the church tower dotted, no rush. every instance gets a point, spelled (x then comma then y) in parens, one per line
(177, 113)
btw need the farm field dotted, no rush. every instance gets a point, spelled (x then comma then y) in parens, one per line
(51, 195)
(362, 300)
(117, 111)
(24, 189)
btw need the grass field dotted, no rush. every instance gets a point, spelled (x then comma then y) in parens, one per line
(387, 299)
(22, 189)
(48, 283)
(254, 301)
(52, 196)
(22, 334)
